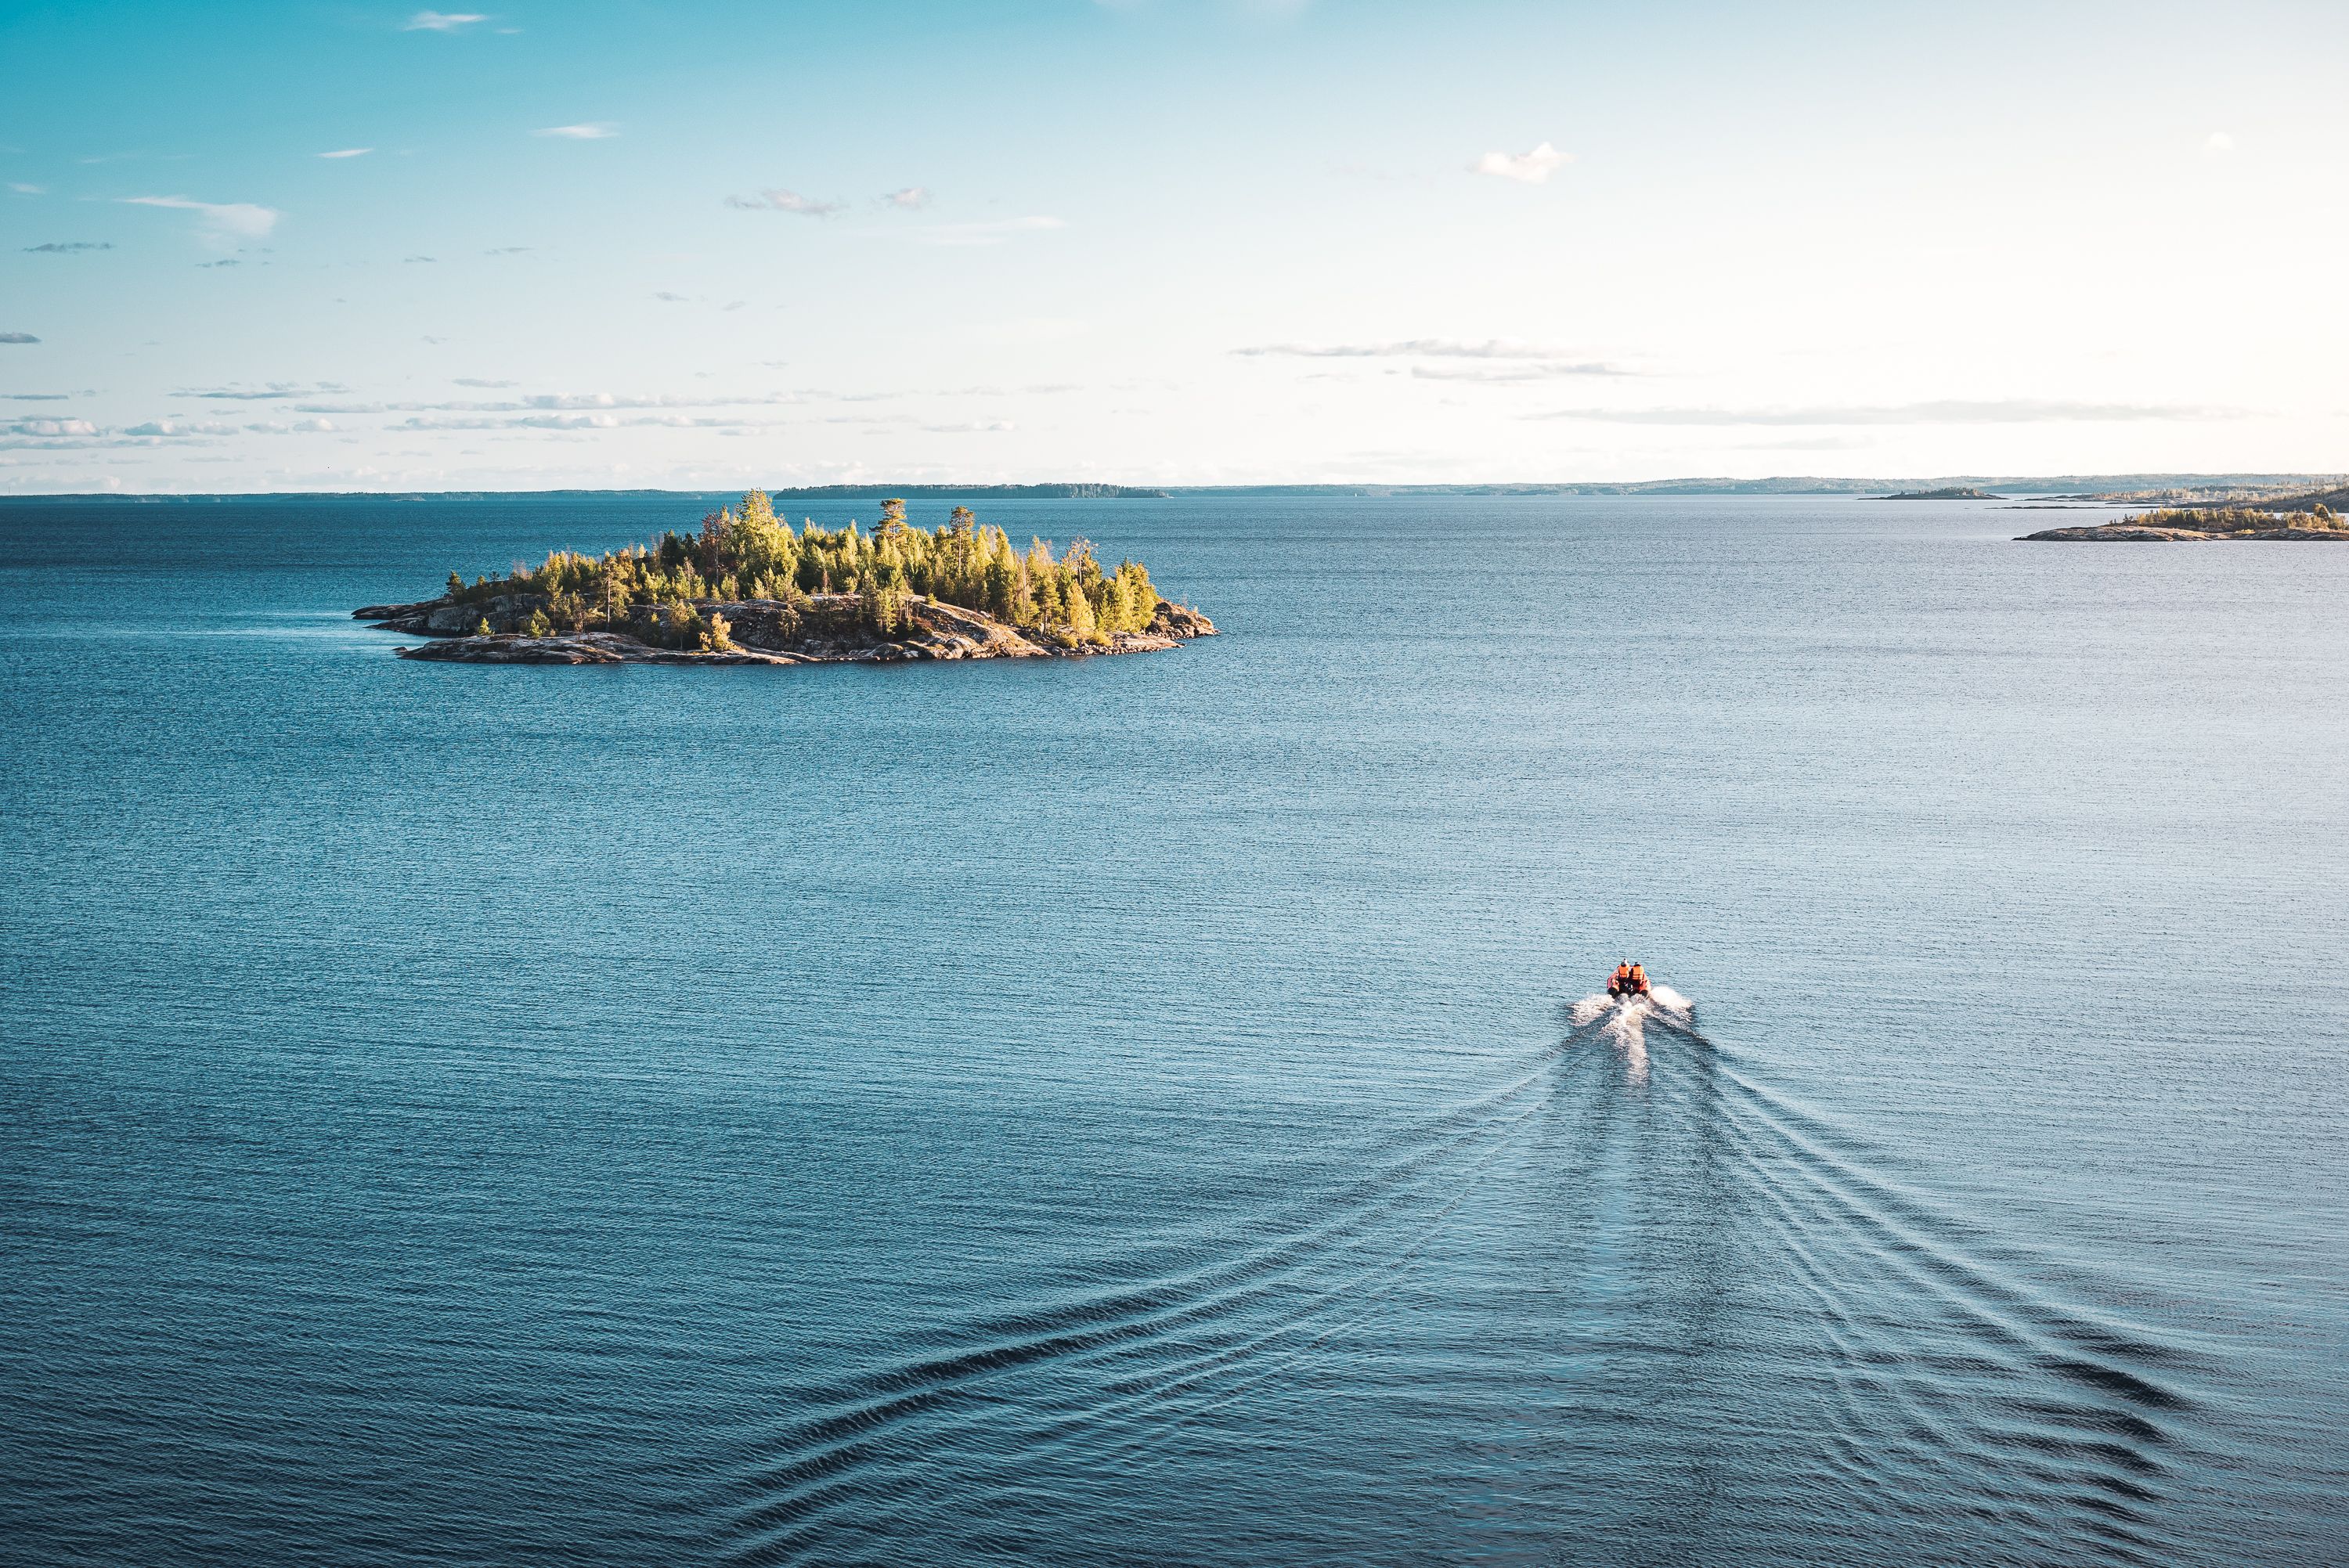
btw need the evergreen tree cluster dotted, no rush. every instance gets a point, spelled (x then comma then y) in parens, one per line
(749, 552)
(2236, 520)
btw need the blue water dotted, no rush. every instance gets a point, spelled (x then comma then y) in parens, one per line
(1127, 1110)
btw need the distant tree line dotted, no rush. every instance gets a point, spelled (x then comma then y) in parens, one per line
(748, 552)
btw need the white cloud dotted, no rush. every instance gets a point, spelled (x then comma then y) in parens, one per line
(243, 219)
(442, 21)
(349, 152)
(23, 189)
(1527, 167)
(989, 233)
(2217, 142)
(50, 428)
(594, 131)
(17, 337)
(780, 200)
(911, 197)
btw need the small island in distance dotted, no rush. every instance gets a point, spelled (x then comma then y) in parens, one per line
(1954, 492)
(747, 589)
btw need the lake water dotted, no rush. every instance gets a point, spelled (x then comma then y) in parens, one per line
(1127, 1110)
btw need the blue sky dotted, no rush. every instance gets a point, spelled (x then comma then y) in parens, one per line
(350, 246)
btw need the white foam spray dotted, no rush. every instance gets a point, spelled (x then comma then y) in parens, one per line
(1621, 1021)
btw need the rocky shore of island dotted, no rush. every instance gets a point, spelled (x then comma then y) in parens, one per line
(2167, 525)
(823, 628)
(2126, 533)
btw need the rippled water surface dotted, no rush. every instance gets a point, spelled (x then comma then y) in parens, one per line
(1151, 1110)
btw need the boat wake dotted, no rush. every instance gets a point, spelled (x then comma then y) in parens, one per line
(1778, 1307)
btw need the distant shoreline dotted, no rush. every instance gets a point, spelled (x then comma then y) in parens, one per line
(2138, 487)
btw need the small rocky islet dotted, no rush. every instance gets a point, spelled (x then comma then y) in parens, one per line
(2299, 518)
(748, 589)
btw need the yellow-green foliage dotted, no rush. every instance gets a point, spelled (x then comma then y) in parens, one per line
(2234, 520)
(748, 552)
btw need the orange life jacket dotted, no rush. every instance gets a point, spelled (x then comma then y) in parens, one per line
(1639, 978)
(1623, 975)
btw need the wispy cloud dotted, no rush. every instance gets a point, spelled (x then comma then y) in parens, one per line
(243, 219)
(442, 21)
(554, 402)
(1515, 372)
(35, 397)
(780, 200)
(267, 392)
(49, 428)
(89, 443)
(2216, 144)
(912, 198)
(670, 298)
(410, 260)
(592, 130)
(69, 247)
(1533, 168)
(179, 427)
(986, 233)
(23, 189)
(349, 152)
(471, 381)
(17, 337)
(1554, 361)
(1951, 411)
(590, 422)
(973, 427)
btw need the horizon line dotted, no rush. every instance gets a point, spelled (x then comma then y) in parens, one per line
(1088, 490)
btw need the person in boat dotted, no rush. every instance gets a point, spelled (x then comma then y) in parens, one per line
(1639, 986)
(1620, 985)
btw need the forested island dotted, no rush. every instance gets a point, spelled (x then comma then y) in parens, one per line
(748, 589)
(1952, 492)
(2319, 520)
